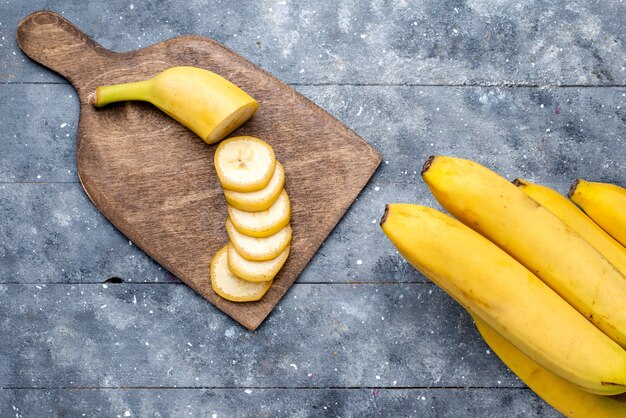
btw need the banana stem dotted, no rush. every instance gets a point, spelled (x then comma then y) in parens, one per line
(121, 92)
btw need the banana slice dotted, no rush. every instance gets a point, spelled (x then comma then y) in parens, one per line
(262, 199)
(244, 163)
(258, 249)
(264, 223)
(255, 271)
(231, 287)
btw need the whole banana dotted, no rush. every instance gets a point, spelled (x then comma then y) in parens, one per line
(576, 219)
(604, 203)
(562, 395)
(500, 291)
(204, 102)
(491, 205)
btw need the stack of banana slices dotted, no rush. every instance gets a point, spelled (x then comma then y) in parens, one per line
(544, 280)
(258, 219)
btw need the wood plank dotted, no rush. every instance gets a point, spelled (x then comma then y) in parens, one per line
(551, 135)
(130, 335)
(257, 403)
(505, 128)
(418, 42)
(38, 139)
(51, 233)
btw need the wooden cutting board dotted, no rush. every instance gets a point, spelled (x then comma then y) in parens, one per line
(154, 179)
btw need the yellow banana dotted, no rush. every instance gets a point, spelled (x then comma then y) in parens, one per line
(562, 395)
(491, 205)
(497, 289)
(604, 203)
(204, 102)
(576, 219)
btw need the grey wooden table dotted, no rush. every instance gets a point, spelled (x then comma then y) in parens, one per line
(90, 326)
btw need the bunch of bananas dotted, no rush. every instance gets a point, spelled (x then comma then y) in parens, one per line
(545, 283)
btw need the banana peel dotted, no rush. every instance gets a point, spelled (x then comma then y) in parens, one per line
(493, 286)
(562, 395)
(605, 203)
(572, 216)
(203, 101)
(530, 233)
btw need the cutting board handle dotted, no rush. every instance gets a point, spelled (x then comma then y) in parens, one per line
(51, 40)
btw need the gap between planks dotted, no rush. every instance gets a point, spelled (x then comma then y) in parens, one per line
(181, 283)
(329, 84)
(78, 388)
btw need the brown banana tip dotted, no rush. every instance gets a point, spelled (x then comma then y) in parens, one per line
(518, 182)
(384, 218)
(572, 188)
(427, 164)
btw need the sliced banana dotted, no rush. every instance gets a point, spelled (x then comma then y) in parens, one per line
(258, 249)
(261, 199)
(255, 271)
(231, 287)
(264, 223)
(244, 163)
